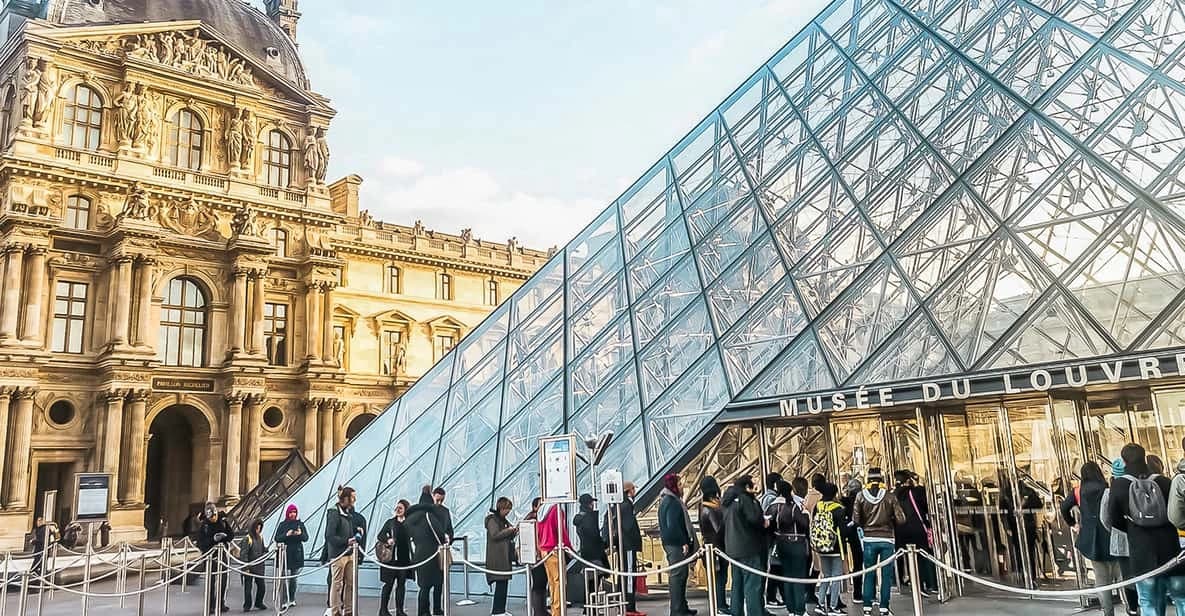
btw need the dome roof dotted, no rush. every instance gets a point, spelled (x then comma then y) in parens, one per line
(238, 22)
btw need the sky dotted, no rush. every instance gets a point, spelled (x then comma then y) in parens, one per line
(525, 118)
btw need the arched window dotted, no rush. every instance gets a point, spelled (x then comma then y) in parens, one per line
(82, 118)
(183, 319)
(6, 119)
(277, 159)
(280, 239)
(78, 212)
(185, 140)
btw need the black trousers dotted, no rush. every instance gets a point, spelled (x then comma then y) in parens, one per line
(499, 606)
(248, 582)
(217, 588)
(399, 584)
(424, 601)
(538, 599)
(773, 588)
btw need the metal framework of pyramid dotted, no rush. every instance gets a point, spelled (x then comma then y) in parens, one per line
(907, 189)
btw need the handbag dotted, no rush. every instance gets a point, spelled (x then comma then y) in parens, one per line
(922, 519)
(382, 551)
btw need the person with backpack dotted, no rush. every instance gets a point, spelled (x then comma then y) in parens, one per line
(1119, 548)
(826, 531)
(711, 528)
(791, 525)
(1094, 541)
(879, 514)
(1139, 506)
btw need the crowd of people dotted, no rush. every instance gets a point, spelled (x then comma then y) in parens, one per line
(800, 529)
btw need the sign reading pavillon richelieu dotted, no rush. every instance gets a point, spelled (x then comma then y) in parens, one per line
(962, 387)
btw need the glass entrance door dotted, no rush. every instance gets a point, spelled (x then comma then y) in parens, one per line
(1115, 419)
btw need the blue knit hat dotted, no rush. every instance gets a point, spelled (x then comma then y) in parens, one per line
(1118, 468)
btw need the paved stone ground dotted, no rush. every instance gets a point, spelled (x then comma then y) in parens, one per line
(189, 603)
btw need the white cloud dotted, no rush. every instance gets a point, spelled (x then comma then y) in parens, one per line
(469, 197)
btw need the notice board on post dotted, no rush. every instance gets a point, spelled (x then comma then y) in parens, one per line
(557, 459)
(92, 496)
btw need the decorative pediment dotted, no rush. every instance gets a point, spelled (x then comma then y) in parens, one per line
(189, 218)
(446, 323)
(185, 51)
(393, 318)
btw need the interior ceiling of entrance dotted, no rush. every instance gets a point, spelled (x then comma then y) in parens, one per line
(908, 189)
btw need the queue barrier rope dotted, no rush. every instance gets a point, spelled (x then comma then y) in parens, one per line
(694, 556)
(838, 578)
(46, 582)
(303, 570)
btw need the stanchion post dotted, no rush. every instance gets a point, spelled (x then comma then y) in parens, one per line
(23, 602)
(49, 560)
(279, 569)
(561, 522)
(140, 594)
(41, 587)
(710, 569)
(121, 577)
(4, 589)
(915, 583)
(465, 571)
(443, 552)
(354, 576)
(184, 565)
(166, 576)
(206, 582)
(86, 579)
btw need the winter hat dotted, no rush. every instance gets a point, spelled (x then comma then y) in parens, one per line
(709, 487)
(671, 482)
(875, 475)
(290, 510)
(1118, 468)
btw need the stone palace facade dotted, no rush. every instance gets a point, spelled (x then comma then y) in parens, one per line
(185, 298)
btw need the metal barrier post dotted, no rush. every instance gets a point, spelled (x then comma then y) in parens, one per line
(447, 603)
(166, 576)
(184, 564)
(48, 567)
(121, 577)
(206, 584)
(279, 569)
(915, 582)
(86, 580)
(23, 603)
(140, 595)
(4, 590)
(354, 576)
(41, 586)
(465, 571)
(710, 569)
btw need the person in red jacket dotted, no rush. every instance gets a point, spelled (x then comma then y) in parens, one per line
(548, 533)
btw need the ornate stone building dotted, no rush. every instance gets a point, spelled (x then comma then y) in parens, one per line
(185, 299)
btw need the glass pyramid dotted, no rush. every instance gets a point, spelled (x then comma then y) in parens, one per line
(908, 188)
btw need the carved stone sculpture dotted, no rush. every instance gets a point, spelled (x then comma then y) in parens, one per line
(30, 83)
(466, 236)
(147, 119)
(339, 347)
(234, 139)
(180, 50)
(312, 154)
(45, 93)
(247, 146)
(127, 102)
(244, 223)
(323, 160)
(136, 207)
(187, 218)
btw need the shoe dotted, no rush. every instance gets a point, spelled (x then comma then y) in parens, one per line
(246, 608)
(842, 606)
(867, 611)
(224, 609)
(261, 607)
(885, 612)
(635, 613)
(692, 611)
(835, 611)
(769, 605)
(928, 592)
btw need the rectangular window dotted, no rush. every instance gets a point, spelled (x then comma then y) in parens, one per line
(69, 317)
(275, 333)
(78, 212)
(444, 344)
(444, 289)
(392, 352)
(492, 293)
(392, 279)
(280, 239)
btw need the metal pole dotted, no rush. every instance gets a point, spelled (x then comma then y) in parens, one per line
(140, 594)
(465, 571)
(50, 561)
(4, 590)
(561, 522)
(86, 579)
(621, 559)
(444, 588)
(41, 585)
(915, 586)
(710, 570)
(24, 599)
(166, 573)
(184, 564)
(279, 569)
(206, 584)
(354, 576)
(121, 577)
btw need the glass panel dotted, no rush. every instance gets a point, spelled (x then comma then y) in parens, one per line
(686, 408)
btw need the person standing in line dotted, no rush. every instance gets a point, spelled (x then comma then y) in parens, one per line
(500, 551)
(552, 534)
(345, 530)
(537, 602)
(848, 490)
(425, 529)
(43, 537)
(745, 533)
(446, 515)
(790, 526)
(215, 532)
(678, 541)
(592, 548)
(292, 534)
(1138, 506)
(1094, 541)
(1176, 515)
(878, 513)
(915, 530)
(395, 536)
(628, 544)
(770, 562)
(252, 549)
(711, 528)
(827, 523)
(1119, 548)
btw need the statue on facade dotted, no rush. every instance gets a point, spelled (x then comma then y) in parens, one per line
(401, 358)
(512, 244)
(136, 207)
(418, 229)
(128, 104)
(312, 154)
(247, 145)
(30, 83)
(147, 118)
(466, 236)
(234, 139)
(187, 218)
(323, 160)
(45, 94)
(339, 347)
(244, 223)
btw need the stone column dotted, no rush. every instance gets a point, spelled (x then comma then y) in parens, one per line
(326, 431)
(327, 325)
(5, 400)
(143, 301)
(313, 321)
(10, 300)
(238, 310)
(339, 426)
(22, 435)
(258, 281)
(131, 484)
(121, 297)
(34, 290)
(254, 419)
(232, 446)
(113, 424)
(310, 432)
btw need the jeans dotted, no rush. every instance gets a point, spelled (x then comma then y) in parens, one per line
(1176, 585)
(248, 582)
(1151, 593)
(291, 585)
(1106, 573)
(678, 580)
(721, 584)
(217, 591)
(399, 585)
(828, 593)
(874, 552)
(795, 557)
(746, 589)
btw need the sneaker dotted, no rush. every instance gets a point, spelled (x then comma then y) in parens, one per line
(769, 605)
(927, 592)
(867, 611)
(885, 612)
(835, 611)
(820, 610)
(842, 606)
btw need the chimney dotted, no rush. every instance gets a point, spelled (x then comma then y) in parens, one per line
(284, 14)
(343, 196)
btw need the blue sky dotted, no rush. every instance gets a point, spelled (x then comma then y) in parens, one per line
(523, 118)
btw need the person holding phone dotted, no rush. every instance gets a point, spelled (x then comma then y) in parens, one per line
(345, 530)
(292, 534)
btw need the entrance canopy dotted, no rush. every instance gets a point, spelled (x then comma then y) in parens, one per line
(908, 190)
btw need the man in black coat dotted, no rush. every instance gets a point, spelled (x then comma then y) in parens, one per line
(215, 532)
(447, 516)
(426, 528)
(345, 528)
(745, 527)
(592, 546)
(628, 544)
